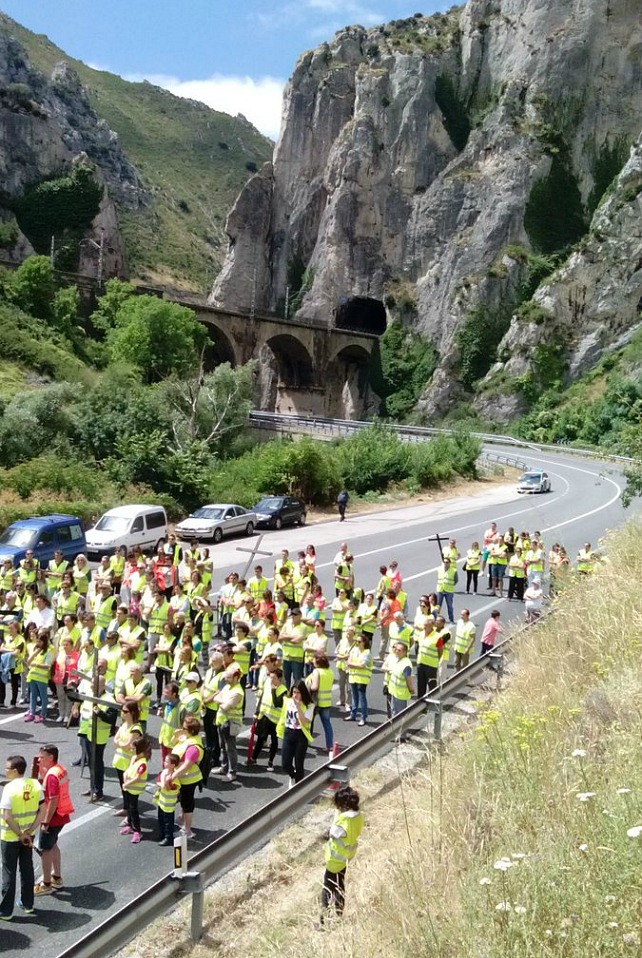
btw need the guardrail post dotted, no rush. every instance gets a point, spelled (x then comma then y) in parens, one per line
(439, 715)
(198, 897)
(496, 660)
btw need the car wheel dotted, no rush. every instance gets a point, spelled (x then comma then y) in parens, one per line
(249, 529)
(218, 535)
(278, 523)
(302, 519)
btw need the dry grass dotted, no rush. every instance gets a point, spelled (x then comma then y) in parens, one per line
(549, 780)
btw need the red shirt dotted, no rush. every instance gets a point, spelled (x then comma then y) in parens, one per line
(52, 789)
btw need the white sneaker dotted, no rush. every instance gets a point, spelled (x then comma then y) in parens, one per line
(291, 783)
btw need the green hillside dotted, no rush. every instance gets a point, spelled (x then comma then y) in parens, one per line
(194, 161)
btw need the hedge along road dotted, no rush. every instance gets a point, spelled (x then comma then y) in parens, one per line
(103, 871)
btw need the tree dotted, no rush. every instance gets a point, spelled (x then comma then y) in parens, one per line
(104, 317)
(33, 287)
(158, 338)
(65, 311)
(209, 406)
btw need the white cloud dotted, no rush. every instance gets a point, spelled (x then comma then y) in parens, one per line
(258, 100)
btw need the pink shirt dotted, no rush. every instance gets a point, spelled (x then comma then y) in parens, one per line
(491, 630)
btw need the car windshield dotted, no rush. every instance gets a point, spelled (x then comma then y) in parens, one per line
(207, 513)
(531, 478)
(20, 537)
(112, 524)
(268, 505)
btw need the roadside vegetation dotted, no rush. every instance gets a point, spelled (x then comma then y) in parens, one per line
(123, 404)
(523, 837)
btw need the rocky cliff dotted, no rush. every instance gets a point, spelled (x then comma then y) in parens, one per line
(434, 169)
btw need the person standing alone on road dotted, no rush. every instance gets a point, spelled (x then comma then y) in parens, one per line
(342, 503)
(21, 811)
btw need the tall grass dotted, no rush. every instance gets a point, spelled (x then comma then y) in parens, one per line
(521, 840)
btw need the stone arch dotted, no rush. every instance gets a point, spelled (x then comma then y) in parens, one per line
(361, 313)
(350, 395)
(220, 347)
(292, 361)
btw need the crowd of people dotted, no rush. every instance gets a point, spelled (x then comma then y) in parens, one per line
(99, 650)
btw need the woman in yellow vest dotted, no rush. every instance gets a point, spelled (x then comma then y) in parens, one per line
(13, 643)
(39, 666)
(473, 566)
(124, 741)
(268, 713)
(360, 665)
(134, 781)
(164, 659)
(294, 729)
(189, 748)
(81, 573)
(320, 683)
(342, 653)
(341, 847)
(339, 609)
(316, 642)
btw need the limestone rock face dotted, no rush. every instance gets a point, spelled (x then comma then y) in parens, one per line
(408, 154)
(47, 124)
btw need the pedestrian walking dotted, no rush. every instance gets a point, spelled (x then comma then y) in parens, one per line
(294, 729)
(342, 504)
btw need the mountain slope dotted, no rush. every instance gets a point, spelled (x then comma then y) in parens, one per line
(193, 161)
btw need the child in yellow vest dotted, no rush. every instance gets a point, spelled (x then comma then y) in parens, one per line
(165, 799)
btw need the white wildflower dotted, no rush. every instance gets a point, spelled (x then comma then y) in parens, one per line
(631, 939)
(503, 865)
(624, 791)
(584, 796)
(610, 899)
(635, 832)
(520, 910)
(578, 753)
(518, 856)
(583, 848)
(485, 881)
(548, 933)
(503, 906)
(614, 924)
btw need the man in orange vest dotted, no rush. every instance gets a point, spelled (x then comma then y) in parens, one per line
(57, 814)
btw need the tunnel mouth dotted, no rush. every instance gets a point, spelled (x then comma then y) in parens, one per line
(218, 350)
(361, 314)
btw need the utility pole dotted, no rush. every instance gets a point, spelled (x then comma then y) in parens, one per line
(287, 302)
(101, 257)
(52, 252)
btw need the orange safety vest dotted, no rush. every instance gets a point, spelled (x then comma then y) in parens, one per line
(65, 806)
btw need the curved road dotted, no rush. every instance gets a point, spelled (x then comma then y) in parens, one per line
(102, 870)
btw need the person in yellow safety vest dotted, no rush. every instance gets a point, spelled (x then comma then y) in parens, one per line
(117, 566)
(104, 606)
(586, 560)
(126, 735)
(229, 718)
(516, 576)
(498, 561)
(205, 566)
(294, 728)
(400, 684)
(191, 699)
(383, 585)
(535, 560)
(422, 615)
(342, 654)
(21, 809)
(429, 655)
(28, 568)
(212, 682)
(134, 781)
(108, 658)
(343, 576)
(14, 644)
(226, 603)
(81, 573)
(56, 568)
(473, 567)
(66, 602)
(257, 584)
(360, 665)
(136, 688)
(465, 634)
(173, 548)
(133, 634)
(165, 799)
(92, 633)
(339, 608)
(7, 576)
(341, 847)
(39, 665)
(320, 682)
(242, 649)
(316, 641)
(446, 587)
(292, 637)
(160, 613)
(400, 630)
(94, 748)
(368, 613)
(268, 712)
(284, 582)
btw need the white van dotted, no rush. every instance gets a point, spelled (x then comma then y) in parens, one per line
(128, 526)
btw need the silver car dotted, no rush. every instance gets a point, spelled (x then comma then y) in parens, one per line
(217, 520)
(534, 481)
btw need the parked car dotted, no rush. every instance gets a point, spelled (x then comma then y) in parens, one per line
(534, 481)
(217, 520)
(273, 512)
(43, 535)
(129, 526)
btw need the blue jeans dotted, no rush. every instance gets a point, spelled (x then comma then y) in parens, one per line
(292, 673)
(166, 824)
(324, 715)
(359, 700)
(446, 597)
(38, 690)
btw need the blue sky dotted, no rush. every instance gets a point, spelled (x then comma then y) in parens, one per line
(233, 54)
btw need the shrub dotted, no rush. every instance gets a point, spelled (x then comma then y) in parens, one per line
(33, 287)
(373, 459)
(64, 205)
(407, 363)
(478, 339)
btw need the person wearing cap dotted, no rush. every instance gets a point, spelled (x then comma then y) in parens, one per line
(190, 696)
(229, 719)
(136, 689)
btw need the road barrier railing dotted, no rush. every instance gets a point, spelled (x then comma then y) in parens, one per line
(214, 861)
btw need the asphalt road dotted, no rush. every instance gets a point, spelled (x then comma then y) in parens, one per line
(102, 870)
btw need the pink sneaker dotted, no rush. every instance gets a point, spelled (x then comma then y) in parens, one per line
(38, 719)
(28, 717)
(136, 837)
(126, 830)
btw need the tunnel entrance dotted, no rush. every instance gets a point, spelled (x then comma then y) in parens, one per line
(218, 350)
(362, 314)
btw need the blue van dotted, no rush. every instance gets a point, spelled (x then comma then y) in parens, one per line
(44, 535)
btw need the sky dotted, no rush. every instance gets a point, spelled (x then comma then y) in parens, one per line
(234, 55)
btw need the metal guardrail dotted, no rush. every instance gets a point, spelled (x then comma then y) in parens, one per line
(338, 427)
(213, 862)
(495, 457)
